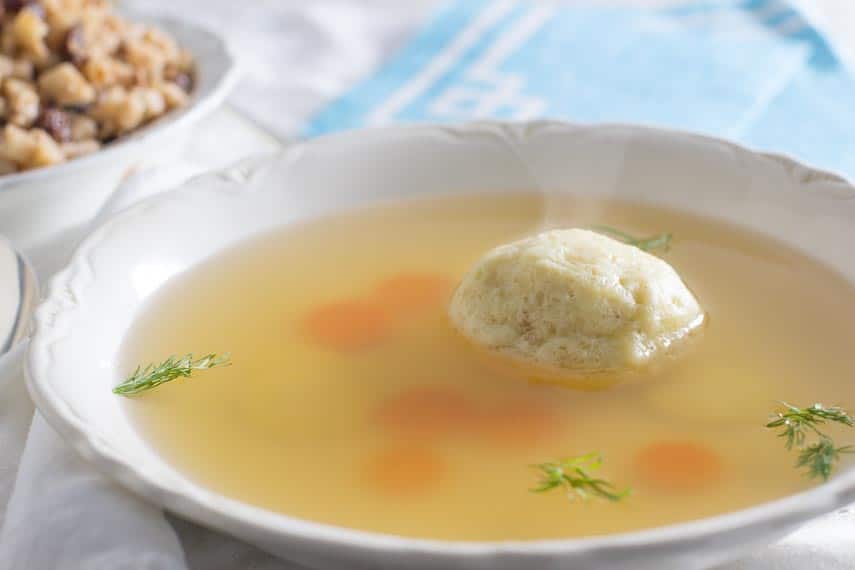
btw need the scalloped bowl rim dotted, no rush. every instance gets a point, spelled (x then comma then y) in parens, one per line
(205, 506)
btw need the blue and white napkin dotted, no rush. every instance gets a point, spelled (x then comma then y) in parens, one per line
(755, 71)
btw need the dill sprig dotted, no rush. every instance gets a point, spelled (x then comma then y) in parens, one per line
(153, 375)
(817, 458)
(652, 243)
(571, 474)
(798, 422)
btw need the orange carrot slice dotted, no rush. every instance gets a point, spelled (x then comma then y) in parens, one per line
(413, 292)
(401, 470)
(426, 411)
(346, 325)
(678, 465)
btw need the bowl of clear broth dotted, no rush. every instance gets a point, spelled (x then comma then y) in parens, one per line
(267, 350)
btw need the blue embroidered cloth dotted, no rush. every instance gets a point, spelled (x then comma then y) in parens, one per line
(754, 71)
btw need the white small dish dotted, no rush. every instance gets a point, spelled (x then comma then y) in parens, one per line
(128, 258)
(19, 292)
(36, 205)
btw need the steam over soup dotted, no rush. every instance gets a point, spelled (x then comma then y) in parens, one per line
(352, 400)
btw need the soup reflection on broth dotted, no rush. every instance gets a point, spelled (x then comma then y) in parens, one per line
(351, 400)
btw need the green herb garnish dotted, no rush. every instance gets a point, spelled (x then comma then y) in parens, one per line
(571, 474)
(659, 241)
(153, 375)
(819, 457)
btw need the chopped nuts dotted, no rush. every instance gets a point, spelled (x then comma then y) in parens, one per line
(74, 75)
(23, 69)
(65, 85)
(23, 102)
(82, 127)
(103, 71)
(20, 68)
(30, 31)
(45, 150)
(6, 66)
(119, 111)
(16, 144)
(172, 94)
(154, 101)
(149, 61)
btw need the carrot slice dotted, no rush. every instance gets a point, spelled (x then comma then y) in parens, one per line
(520, 423)
(426, 411)
(346, 325)
(678, 465)
(413, 292)
(405, 470)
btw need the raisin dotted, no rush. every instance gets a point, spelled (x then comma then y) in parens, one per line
(57, 123)
(184, 81)
(12, 6)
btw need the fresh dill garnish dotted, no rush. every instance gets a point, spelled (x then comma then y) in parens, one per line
(153, 375)
(819, 457)
(652, 243)
(571, 474)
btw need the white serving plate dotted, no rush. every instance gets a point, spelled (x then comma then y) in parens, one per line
(37, 205)
(92, 303)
